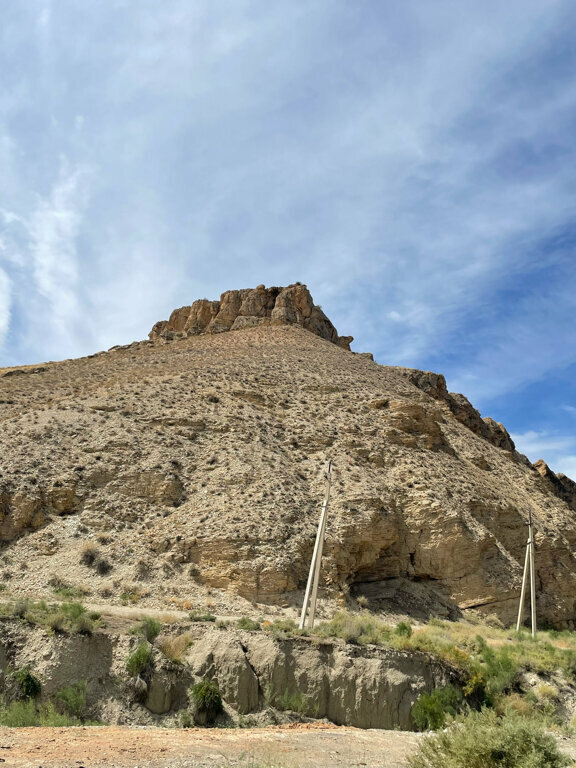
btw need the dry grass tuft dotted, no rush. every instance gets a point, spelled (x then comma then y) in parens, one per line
(174, 647)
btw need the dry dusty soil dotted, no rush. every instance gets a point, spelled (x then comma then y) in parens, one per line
(302, 746)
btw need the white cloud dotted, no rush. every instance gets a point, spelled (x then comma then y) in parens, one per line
(537, 444)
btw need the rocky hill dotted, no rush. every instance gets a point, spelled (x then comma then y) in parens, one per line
(188, 468)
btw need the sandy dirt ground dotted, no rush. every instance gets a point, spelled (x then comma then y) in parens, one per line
(281, 747)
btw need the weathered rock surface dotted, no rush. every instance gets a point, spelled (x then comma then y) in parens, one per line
(248, 308)
(195, 469)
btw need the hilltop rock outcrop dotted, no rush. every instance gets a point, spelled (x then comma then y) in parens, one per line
(248, 308)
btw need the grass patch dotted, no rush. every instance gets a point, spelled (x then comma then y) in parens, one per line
(71, 618)
(26, 714)
(147, 627)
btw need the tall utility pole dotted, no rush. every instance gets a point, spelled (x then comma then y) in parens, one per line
(314, 575)
(529, 561)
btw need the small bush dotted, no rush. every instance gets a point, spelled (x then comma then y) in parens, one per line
(280, 626)
(29, 686)
(71, 700)
(483, 740)
(20, 608)
(246, 623)
(403, 629)
(430, 710)
(186, 720)
(148, 628)
(102, 566)
(201, 616)
(89, 555)
(500, 672)
(206, 701)
(294, 702)
(139, 659)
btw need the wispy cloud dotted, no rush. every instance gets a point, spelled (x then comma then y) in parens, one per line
(40, 250)
(53, 229)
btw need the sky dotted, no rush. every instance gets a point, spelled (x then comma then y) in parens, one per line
(412, 162)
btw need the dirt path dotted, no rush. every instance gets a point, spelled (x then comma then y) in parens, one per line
(282, 747)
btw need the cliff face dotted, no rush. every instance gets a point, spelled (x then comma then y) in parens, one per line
(194, 469)
(249, 308)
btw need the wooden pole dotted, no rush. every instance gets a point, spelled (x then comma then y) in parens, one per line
(523, 592)
(314, 574)
(532, 574)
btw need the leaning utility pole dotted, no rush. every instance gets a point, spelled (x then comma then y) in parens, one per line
(528, 561)
(314, 575)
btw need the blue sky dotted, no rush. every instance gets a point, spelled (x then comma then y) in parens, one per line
(412, 162)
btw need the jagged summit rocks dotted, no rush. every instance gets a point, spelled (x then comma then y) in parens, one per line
(248, 308)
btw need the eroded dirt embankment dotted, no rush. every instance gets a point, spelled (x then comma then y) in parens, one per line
(361, 686)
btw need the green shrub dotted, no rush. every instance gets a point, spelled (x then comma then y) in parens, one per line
(293, 701)
(500, 672)
(71, 700)
(403, 629)
(201, 616)
(20, 608)
(483, 740)
(206, 701)
(430, 710)
(29, 686)
(148, 628)
(139, 659)
(281, 627)
(186, 720)
(245, 623)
